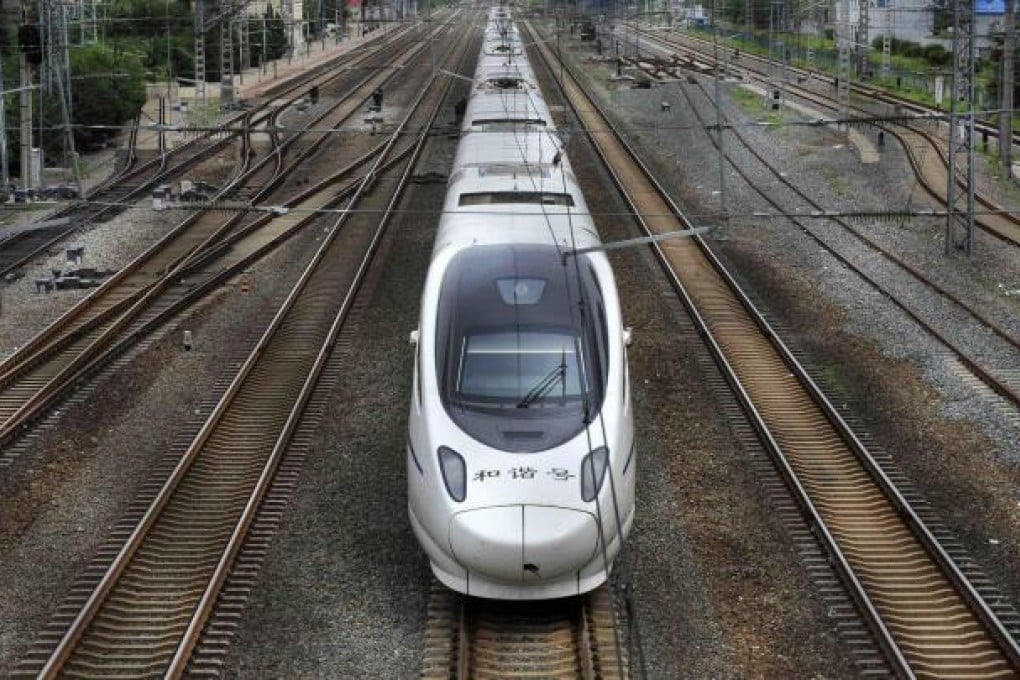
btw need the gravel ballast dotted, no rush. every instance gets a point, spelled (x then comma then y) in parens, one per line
(718, 588)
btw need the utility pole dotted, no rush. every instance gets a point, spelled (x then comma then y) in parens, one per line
(1006, 86)
(199, 8)
(227, 61)
(25, 103)
(244, 37)
(777, 55)
(718, 115)
(3, 130)
(887, 37)
(960, 202)
(843, 72)
(63, 73)
(287, 10)
(862, 46)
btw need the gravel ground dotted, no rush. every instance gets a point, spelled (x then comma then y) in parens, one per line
(957, 441)
(65, 492)
(740, 608)
(343, 591)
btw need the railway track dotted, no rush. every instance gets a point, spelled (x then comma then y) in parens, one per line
(925, 615)
(856, 87)
(563, 639)
(136, 180)
(152, 603)
(992, 367)
(943, 314)
(926, 149)
(148, 291)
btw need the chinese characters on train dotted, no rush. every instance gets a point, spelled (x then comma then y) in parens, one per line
(522, 472)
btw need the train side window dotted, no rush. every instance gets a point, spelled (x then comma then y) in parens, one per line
(516, 197)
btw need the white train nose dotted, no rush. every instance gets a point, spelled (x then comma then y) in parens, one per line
(518, 543)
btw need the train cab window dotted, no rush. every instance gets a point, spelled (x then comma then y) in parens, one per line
(513, 345)
(514, 170)
(523, 369)
(505, 124)
(516, 198)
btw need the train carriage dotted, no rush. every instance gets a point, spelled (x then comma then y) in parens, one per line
(521, 451)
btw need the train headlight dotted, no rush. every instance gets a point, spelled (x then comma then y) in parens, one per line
(593, 471)
(454, 473)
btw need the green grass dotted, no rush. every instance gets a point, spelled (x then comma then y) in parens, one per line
(920, 67)
(835, 181)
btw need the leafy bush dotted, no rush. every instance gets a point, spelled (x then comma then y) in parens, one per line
(936, 55)
(108, 90)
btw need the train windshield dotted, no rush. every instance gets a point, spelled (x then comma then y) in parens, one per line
(520, 367)
(521, 345)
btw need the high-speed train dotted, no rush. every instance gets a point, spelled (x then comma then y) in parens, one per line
(521, 452)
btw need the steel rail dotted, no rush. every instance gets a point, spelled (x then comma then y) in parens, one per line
(980, 609)
(88, 358)
(143, 325)
(193, 629)
(104, 204)
(998, 222)
(195, 626)
(9, 365)
(855, 87)
(984, 375)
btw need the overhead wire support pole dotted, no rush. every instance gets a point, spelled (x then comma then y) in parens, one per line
(199, 8)
(1006, 88)
(718, 114)
(64, 91)
(777, 55)
(862, 45)
(960, 199)
(3, 132)
(843, 71)
(887, 37)
(25, 105)
(227, 60)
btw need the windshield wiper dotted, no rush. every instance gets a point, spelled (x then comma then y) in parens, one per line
(548, 381)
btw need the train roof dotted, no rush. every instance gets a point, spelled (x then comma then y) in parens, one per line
(497, 225)
(495, 148)
(491, 66)
(506, 107)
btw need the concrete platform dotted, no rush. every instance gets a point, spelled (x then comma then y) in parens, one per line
(866, 150)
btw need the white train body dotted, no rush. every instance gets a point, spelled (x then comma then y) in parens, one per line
(521, 454)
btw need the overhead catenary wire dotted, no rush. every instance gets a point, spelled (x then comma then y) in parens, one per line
(816, 122)
(227, 206)
(582, 307)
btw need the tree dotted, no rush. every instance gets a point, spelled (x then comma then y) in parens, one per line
(108, 90)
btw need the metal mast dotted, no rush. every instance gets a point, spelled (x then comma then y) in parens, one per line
(960, 184)
(3, 129)
(843, 39)
(721, 141)
(862, 46)
(245, 37)
(1006, 115)
(25, 105)
(200, 51)
(777, 54)
(63, 73)
(887, 39)
(287, 10)
(227, 59)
